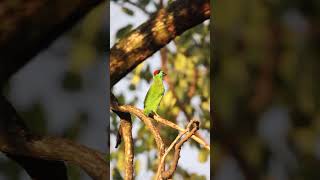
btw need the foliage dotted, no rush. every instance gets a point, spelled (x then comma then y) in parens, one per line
(187, 68)
(266, 88)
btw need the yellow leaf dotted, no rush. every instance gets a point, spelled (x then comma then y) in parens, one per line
(137, 166)
(203, 155)
(120, 163)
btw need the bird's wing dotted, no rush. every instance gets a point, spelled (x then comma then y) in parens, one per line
(148, 99)
(154, 95)
(145, 99)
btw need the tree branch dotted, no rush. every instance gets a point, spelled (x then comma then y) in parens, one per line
(174, 126)
(152, 35)
(162, 163)
(31, 26)
(139, 113)
(18, 142)
(125, 129)
(147, 121)
(169, 173)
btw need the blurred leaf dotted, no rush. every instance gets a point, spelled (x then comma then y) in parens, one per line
(203, 155)
(72, 81)
(123, 31)
(120, 161)
(73, 171)
(116, 174)
(137, 74)
(127, 11)
(77, 126)
(35, 118)
(143, 3)
(137, 166)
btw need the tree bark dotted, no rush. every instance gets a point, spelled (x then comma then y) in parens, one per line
(152, 35)
(28, 27)
(26, 148)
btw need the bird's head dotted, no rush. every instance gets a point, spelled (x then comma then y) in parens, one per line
(159, 73)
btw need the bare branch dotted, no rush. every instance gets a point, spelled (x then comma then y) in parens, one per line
(169, 173)
(148, 122)
(167, 152)
(126, 133)
(139, 113)
(173, 125)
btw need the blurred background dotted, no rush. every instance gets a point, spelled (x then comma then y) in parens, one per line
(62, 91)
(186, 61)
(266, 92)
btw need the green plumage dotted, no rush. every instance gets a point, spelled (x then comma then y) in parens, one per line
(154, 94)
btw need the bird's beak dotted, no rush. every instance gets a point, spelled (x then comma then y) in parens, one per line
(164, 74)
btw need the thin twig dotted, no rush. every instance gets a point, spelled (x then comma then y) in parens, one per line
(169, 173)
(169, 149)
(161, 164)
(174, 126)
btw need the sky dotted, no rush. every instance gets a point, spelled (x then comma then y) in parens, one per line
(189, 157)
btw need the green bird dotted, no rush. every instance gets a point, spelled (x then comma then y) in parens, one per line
(154, 94)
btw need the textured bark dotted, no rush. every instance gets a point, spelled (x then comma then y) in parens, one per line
(152, 35)
(146, 120)
(27, 27)
(27, 149)
(126, 134)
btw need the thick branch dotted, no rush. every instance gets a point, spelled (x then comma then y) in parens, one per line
(152, 35)
(17, 141)
(31, 26)
(50, 148)
(147, 121)
(126, 133)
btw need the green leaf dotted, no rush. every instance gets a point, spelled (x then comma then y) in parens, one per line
(143, 2)
(123, 31)
(127, 11)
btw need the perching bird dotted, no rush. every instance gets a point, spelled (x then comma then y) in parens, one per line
(154, 94)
